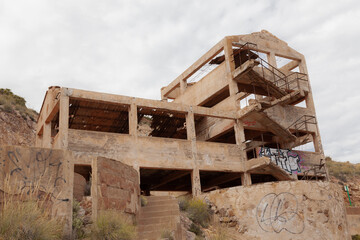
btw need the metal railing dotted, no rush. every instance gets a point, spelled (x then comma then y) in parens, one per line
(293, 81)
(318, 172)
(249, 51)
(301, 124)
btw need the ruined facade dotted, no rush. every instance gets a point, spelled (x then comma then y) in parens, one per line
(232, 118)
(242, 114)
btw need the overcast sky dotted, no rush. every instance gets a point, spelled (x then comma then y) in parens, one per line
(134, 48)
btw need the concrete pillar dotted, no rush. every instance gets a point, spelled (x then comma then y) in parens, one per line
(46, 137)
(195, 182)
(133, 120)
(246, 179)
(62, 139)
(271, 59)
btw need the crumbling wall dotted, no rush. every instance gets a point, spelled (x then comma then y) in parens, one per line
(285, 210)
(115, 186)
(48, 171)
(353, 219)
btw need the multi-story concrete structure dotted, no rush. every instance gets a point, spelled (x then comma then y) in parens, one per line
(232, 118)
(241, 115)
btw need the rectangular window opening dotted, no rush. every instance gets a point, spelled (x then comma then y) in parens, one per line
(212, 180)
(161, 123)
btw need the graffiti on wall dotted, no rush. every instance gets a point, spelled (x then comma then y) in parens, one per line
(40, 169)
(280, 212)
(286, 159)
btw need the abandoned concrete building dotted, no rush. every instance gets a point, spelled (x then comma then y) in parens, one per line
(238, 127)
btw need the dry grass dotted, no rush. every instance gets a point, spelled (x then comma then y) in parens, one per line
(342, 170)
(26, 216)
(221, 233)
(112, 225)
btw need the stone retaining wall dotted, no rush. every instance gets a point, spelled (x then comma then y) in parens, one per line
(285, 210)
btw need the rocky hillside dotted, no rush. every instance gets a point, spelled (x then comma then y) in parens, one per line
(17, 122)
(346, 174)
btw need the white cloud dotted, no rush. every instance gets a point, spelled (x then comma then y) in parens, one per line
(136, 47)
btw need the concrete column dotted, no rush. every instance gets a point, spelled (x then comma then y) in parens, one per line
(191, 136)
(271, 59)
(310, 105)
(62, 139)
(190, 126)
(46, 137)
(195, 182)
(246, 179)
(133, 120)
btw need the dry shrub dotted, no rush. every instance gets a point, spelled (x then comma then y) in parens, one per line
(221, 233)
(167, 234)
(112, 225)
(26, 216)
(143, 201)
(199, 212)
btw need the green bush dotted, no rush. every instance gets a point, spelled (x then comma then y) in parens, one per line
(199, 212)
(195, 229)
(28, 220)
(112, 225)
(355, 237)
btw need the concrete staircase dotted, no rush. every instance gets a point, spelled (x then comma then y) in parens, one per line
(161, 213)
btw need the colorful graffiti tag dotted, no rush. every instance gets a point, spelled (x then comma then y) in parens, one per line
(286, 159)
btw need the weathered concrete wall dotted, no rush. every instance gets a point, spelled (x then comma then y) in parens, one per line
(353, 219)
(286, 210)
(115, 185)
(160, 152)
(50, 171)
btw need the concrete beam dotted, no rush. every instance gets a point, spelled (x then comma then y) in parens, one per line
(193, 68)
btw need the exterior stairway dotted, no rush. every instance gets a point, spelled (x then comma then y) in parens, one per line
(161, 213)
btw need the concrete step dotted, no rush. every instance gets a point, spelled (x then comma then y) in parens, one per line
(149, 236)
(171, 212)
(159, 208)
(161, 213)
(160, 202)
(151, 227)
(154, 198)
(155, 220)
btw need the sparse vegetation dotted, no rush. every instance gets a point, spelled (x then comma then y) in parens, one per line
(143, 201)
(167, 234)
(78, 222)
(221, 233)
(195, 229)
(112, 225)
(10, 102)
(355, 237)
(342, 170)
(25, 216)
(183, 202)
(199, 212)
